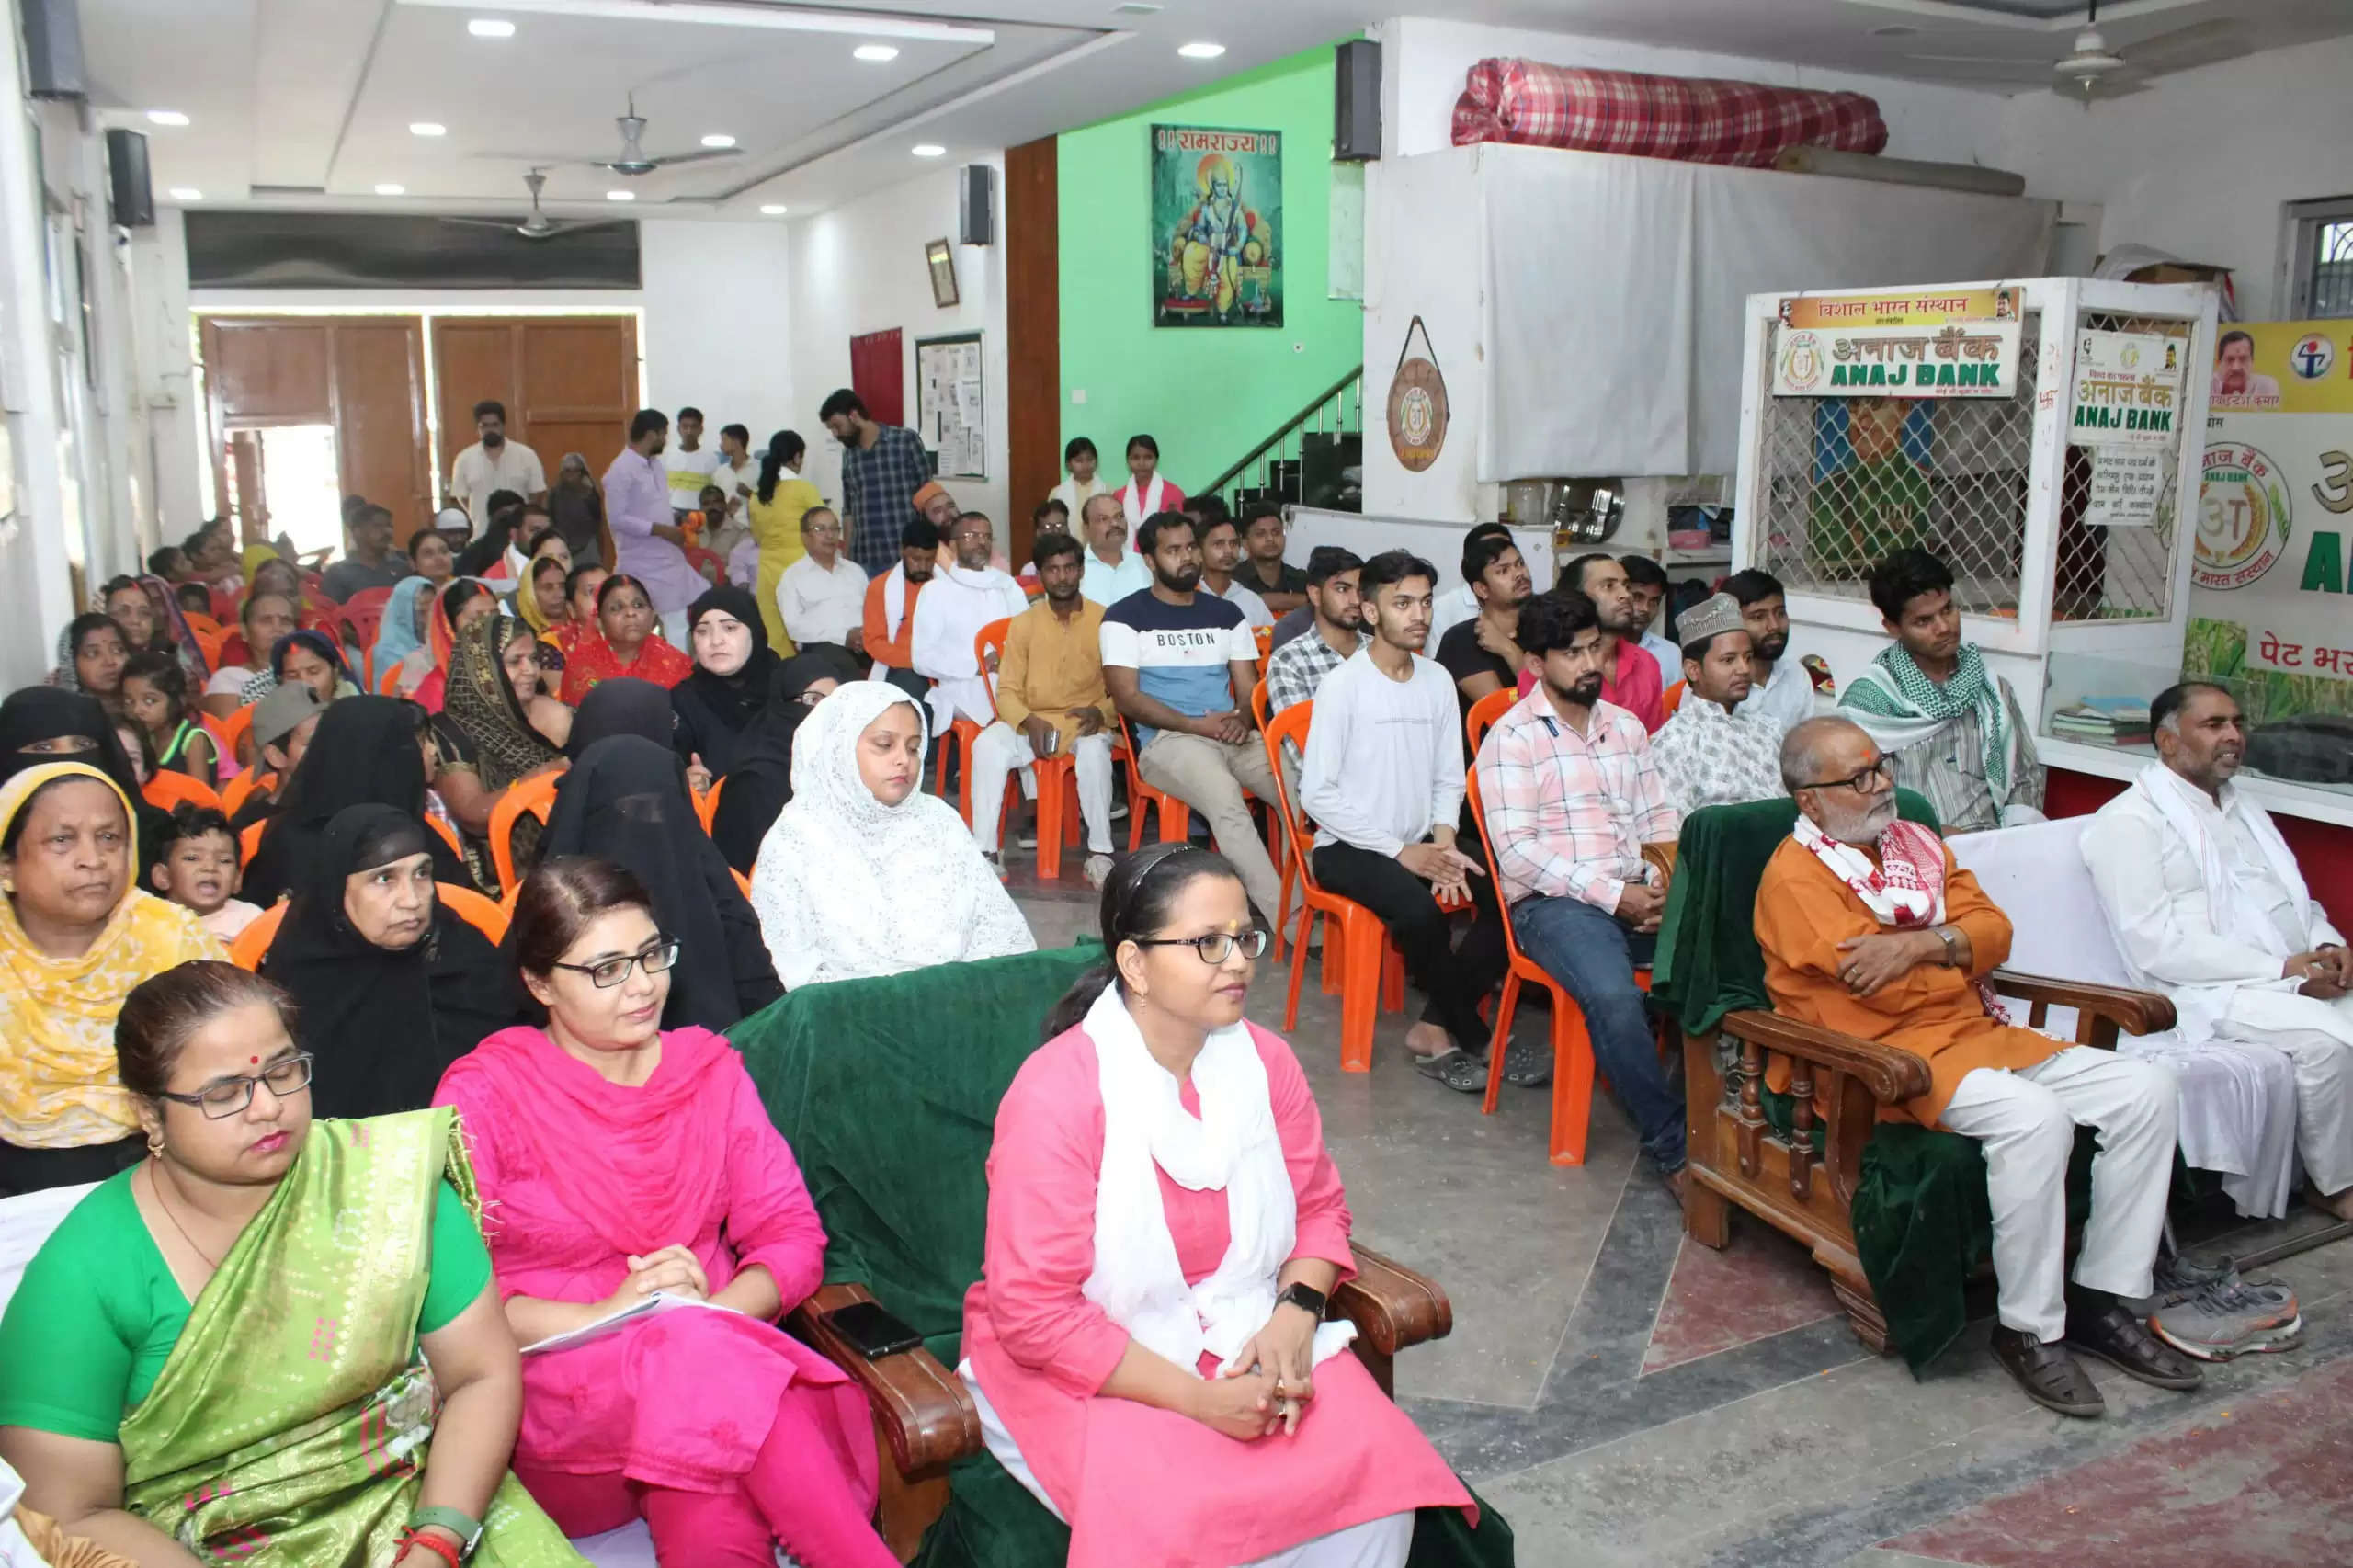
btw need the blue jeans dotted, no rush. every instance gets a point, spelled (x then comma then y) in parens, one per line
(1592, 956)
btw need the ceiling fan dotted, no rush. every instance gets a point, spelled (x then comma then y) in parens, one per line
(633, 161)
(2091, 69)
(539, 225)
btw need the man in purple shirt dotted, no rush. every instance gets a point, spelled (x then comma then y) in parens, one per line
(651, 547)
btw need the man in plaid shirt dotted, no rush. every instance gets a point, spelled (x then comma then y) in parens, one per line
(882, 467)
(1572, 796)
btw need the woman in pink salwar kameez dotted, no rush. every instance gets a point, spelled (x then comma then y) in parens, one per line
(616, 1160)
(1147, 1342)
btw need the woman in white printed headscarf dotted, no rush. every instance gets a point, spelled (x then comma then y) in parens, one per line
(863, 874)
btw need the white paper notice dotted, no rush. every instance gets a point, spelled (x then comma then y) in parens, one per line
(613, 1323)
(2128, 484)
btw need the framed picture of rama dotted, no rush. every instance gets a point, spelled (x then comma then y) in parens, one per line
(1217, 215)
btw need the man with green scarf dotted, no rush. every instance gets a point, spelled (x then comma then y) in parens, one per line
(1952, 728)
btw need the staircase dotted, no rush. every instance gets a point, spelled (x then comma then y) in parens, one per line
(1314, 459)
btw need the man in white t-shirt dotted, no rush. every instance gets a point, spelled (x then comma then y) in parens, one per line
(689, 464)
(739, 469)
(494, 463)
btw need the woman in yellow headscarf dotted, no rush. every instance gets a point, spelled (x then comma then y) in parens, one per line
(75, 936)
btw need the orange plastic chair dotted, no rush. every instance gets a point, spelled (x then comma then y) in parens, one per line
(742, 881)
(535, 795)
(249, 841)
(707, 804)
(234, 734)
(988, 643)
(1572, 1066)
(1264, 637)
(1057, 776)
(1285, 862)
(1176, 816)
(209, 639)
(244, 787)
(253, 941)
(362, 616)
(389, 683)
(166, 789)
(201, 624)
(1672, 699)
(448, 835)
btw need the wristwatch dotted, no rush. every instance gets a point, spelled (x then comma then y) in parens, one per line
(467, 1529)
(1306, 1297)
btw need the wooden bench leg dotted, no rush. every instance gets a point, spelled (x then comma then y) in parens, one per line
(1707, 1213)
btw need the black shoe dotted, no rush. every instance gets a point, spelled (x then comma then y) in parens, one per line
(1456, 1068)
(2050, 1377)
(2119, 1338)
(1528, 1063)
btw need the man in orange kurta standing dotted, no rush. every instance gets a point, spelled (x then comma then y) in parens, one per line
(1868, 927)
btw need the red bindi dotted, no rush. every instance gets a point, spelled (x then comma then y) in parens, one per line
(253, 1061)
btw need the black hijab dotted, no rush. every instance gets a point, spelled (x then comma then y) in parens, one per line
(622, 706)
(40, 713)
(760, 782)
(383, 1024)
(624, 801)
(364, 753)
(714, 709)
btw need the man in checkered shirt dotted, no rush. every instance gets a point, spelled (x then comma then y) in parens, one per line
(1572, 796)
(882, 467)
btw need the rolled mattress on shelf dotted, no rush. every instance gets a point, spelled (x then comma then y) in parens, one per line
(1529, 103)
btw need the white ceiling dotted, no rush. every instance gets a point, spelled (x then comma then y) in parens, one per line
(307, 102)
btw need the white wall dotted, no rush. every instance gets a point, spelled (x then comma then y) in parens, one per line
(2200, 163)
(717, 333)
(1424, 63)
(859, 269)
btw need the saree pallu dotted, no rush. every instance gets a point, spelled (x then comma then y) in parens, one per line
(293, 1420)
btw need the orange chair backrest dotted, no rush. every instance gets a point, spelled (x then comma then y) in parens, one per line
(988, 650)
(253, 941)
(1259, 704)
(244, 787)
(236, 732)
(200, 623)
(1291, 724)
(1484, 714)
(1478, 815)
(166, 789)
(249, 841)
(707, 804)
(388, 684)
(535, 795)
(1674, 698)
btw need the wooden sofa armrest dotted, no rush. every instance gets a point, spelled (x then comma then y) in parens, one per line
(1391, 1306)
(2136, 1012)
(922, 1407)
(1891, 1073)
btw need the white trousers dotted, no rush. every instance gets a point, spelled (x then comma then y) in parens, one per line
(2025, 1120)
(678, 633)
(1001, 748)
(1384, 1542)
(2324, 1069)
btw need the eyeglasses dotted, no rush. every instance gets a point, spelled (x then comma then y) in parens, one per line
(606, 973)
(225, 1097)
(1863, 783)
(1216, 946)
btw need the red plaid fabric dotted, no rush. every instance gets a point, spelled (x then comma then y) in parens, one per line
(1531, 104)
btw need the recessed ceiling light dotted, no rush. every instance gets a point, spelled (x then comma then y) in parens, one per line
(928, 150)
(391, 190)
(620, 195)
(773, 210)
(877, 53)
(187, 193)
(718, 139)
(165, 117)
(491, 27)
(426, 128)
(1894, 30)
(1203, 51)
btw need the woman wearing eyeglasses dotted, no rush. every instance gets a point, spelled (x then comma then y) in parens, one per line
(391, 985)
(1147, 1344)
(232, 1351)
(620, 1159)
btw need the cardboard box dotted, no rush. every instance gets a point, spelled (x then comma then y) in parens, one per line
(2179, 272)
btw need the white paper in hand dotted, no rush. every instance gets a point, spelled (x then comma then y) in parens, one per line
(612, 1323)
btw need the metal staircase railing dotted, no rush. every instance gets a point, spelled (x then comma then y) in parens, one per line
(1314, 459)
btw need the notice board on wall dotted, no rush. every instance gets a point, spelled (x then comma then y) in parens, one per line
(877, 377)
(950, 414)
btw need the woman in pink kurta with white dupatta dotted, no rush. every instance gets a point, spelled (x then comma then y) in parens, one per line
(1161, 1206)
(615, 1159)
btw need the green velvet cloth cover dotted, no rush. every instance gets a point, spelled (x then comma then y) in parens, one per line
(887, 1090)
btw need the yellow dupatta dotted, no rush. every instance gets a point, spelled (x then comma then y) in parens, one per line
(58, 1088)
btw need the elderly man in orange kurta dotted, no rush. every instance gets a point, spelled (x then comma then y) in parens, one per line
(1868, 927)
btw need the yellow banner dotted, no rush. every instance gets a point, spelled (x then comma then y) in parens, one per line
(2283, 367)
(1916, 307)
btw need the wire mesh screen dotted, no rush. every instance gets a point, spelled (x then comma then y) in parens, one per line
(1850, 480)
(2117, 574)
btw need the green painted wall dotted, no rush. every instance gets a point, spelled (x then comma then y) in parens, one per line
(1208, 396)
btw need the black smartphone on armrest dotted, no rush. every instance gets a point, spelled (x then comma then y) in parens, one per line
(871, 1331)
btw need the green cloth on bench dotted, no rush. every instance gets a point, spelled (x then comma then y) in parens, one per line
(887, 1090)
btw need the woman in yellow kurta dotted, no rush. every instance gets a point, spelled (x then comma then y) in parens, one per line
(775, 510)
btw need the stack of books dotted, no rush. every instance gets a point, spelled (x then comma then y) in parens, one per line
(2104, 721)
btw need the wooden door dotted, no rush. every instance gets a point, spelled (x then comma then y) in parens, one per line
(1033, 332)
(569, 383)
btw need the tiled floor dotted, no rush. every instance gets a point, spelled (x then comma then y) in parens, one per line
(1628, 1397)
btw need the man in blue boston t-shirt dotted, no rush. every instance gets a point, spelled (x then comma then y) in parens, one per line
(1180, 664)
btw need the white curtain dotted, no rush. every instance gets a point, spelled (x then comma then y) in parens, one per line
(1615, 287)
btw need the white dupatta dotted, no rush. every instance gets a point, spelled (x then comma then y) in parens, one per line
(1139, 505)
(1234, 1147)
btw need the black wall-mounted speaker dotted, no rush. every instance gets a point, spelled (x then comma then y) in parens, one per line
(133, 196)
(1355, 102)
(976, 205)
(53, 49)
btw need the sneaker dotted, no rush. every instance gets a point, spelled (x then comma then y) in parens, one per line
(1097, 868)
(2177, 1277)
(1528, 1063)
(1118, 811)
(2229, 1319)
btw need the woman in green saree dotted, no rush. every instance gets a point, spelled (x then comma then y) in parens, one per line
(216, 1356)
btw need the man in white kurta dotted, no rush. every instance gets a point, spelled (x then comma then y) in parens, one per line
(2208, 906)
(1715, 751)
(962, 599)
